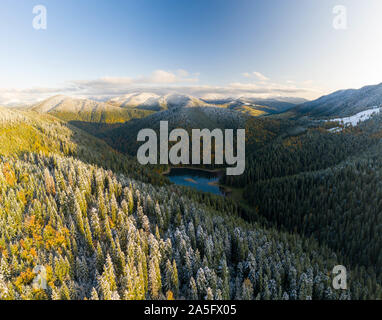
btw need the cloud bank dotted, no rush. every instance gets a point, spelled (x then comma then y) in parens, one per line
(162, 82)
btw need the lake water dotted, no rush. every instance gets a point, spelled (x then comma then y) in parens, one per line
(198, 179)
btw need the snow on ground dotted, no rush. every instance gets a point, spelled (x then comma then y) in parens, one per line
(335, 129)
(354, 119)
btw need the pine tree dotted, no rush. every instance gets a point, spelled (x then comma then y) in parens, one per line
(210, 295)
(174, 278)
(201, 282)
(154, 278)
(247, 290)
(94, 295)
(193, 290)
(4, 293)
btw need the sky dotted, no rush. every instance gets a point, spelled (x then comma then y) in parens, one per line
(207, 48)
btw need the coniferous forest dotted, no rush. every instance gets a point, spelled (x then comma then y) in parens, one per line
(105, 227)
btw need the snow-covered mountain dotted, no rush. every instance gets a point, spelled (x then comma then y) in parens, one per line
(61, 103)
(133, 100)
(152, 101)
(256, 106)
(142, 104)
(344, 102)
(72, 109)
(182, 100)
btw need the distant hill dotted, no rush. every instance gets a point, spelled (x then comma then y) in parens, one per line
(343, 102)
(152, 101)
(142, 104)
(144, 100)
(257, 107)
(251, 106)
(111, 119)
(271, 105)
(123, 138)
(70, 109)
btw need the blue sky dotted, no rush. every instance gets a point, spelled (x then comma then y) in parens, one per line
(273, 47)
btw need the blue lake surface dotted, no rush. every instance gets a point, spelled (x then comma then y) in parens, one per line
(198, 179)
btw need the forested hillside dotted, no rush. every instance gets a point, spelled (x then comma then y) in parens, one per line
(124, 138)
(339, 206)
(317, 148)
(323, 185)
(23, 132)
(343, 102)
(105, 228)
(102, 236)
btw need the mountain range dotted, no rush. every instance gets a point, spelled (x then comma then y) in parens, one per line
(120, 118)
(140, 104)
(343, 102)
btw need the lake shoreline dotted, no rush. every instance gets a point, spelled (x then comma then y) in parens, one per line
(192, 168)
(219, 172)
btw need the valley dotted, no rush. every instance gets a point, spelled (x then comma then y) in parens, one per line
(75, 200)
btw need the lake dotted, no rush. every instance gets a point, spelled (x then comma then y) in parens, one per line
(196, 178)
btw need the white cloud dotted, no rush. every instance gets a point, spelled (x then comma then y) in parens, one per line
(277, 89)
(115, 85)
(255, 74)
(162, 82)
(161, 76)
(182, 73)
(30, 95)
(260, 76)
(156, 77)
